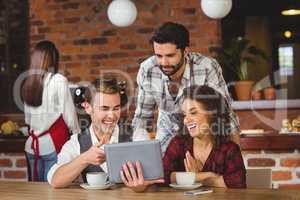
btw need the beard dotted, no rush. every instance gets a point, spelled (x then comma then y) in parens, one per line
(174, 68)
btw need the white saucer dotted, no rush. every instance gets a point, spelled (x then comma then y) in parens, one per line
(101, 187)
(186, 187)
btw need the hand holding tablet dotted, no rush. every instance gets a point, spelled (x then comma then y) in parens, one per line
(148, 153)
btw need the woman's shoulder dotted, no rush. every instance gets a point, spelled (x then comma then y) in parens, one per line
(59, 77)
(229, 146)
(181, 140)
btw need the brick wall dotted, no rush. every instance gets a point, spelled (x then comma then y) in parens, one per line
(285, 166)
(89, 43)
(13, 166)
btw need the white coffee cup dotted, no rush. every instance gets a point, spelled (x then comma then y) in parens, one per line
(185, 178)
(96, 178)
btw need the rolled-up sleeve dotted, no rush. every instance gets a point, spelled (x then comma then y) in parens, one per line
(69, 152)
(145, 104)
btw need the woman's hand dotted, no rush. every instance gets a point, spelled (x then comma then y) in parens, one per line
(134, 179)
(191, 164)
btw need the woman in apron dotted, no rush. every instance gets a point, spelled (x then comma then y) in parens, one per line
(49, 110)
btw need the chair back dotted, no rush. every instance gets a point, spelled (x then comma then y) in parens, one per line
(259, 178)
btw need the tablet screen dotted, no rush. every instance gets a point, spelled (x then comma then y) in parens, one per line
(147, 152)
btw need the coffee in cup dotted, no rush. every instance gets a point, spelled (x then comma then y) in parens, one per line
(185, 178)
(96, 178)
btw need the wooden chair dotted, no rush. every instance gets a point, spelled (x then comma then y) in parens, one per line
(259, 178)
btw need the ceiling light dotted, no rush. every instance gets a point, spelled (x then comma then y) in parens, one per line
(122, 13)
(287, 34)
(216, 9)
(292, 8)
(291, 12)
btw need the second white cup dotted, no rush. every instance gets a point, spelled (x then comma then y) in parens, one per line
(185, 178)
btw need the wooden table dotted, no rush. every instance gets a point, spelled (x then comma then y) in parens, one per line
(43, 191)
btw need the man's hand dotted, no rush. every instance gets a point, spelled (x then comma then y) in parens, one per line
(134, 179)
(95, 155)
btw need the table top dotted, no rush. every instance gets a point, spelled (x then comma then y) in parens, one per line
(10, 190)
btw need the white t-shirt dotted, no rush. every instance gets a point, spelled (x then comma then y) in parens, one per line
(71, 150)
(56, 101)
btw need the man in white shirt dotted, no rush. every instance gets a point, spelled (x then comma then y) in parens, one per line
(84, 152)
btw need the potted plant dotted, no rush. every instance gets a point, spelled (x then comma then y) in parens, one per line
(235, 58)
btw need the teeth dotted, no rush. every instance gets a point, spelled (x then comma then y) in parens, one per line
(192, 125)
(108, 122)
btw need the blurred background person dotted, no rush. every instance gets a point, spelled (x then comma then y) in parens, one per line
(49, 110)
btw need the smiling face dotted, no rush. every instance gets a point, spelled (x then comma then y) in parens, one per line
(169, 58)
(105, 112)
(197, 119)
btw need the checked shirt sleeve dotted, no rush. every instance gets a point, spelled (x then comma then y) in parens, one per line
(145, 104)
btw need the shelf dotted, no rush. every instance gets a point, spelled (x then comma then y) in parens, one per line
(12, 145)
(266, 104)
(270, 142)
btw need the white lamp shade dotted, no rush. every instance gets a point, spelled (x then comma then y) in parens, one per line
(216, 9)
(121, 12)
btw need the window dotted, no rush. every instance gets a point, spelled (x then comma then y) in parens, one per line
(14, 53)
(286, 60)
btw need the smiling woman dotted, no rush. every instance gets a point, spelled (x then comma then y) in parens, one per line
(206, 149)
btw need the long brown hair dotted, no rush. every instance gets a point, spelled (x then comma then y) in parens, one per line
(214, 102)
(44, 58)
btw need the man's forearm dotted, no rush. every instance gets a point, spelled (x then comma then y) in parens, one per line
(67, 173)
(235, 137)
(140, 134)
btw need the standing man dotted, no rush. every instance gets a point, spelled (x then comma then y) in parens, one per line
(162, 78)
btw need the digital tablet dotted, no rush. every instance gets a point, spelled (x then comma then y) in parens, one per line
(147, 152)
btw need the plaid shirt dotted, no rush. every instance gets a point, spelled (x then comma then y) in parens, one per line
(227, 161)
(153, 91)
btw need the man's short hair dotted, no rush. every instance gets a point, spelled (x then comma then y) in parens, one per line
(174, 33)
(106, 84)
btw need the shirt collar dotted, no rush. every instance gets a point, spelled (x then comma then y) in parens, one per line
(187, 71)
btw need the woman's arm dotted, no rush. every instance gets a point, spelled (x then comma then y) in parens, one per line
(210, 179)
(234, 173)
(67, 107)
(172, 159)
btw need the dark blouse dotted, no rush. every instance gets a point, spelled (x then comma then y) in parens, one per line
(227, 161)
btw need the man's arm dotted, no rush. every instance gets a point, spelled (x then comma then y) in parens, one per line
(67, 173)
(235, 137)
(145, 104)
(63, 175)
